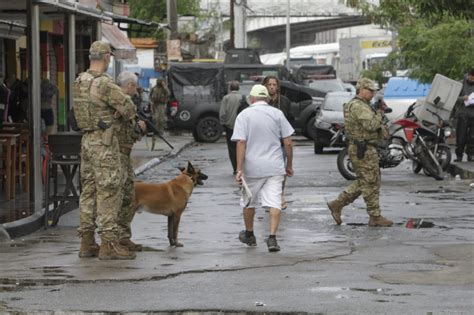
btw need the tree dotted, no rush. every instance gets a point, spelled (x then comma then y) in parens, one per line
(155, 10)
(435, 36)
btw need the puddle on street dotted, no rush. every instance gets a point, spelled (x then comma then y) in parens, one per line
(439, 191)
(379, 291)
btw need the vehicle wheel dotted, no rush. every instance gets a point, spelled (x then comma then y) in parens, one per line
(344, 165)
(416, 167)
(311, 129)
(318, 148)
(443, 155)
(429, 166)
(208, 129)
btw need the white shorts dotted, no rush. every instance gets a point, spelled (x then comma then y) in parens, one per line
(267, 190)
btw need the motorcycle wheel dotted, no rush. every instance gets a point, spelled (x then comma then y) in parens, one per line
(429, 166)
(443, 155)
(344, 165)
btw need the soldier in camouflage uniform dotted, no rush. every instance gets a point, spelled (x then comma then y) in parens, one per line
(130, 132)
(364, 128)
(159, 96)
(98, 105)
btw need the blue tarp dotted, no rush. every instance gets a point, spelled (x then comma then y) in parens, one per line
(405, 88)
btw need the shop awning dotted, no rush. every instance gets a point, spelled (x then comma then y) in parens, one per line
(123, 48)
(11, 30)
(74, 7)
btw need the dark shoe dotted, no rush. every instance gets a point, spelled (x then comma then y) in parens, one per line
(133, 247)
(470, 158)
(336, 210)
(89, 248)
(273, 245)
(458, 159)
(379, 221)
(249, 240)
(112, 250)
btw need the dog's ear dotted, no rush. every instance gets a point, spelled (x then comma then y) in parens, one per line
(190, 168)
(181, 169)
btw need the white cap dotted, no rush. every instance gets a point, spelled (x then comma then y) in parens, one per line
(259, 90)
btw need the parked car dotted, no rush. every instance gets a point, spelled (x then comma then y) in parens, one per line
(197, 91)
(329, 120)
(328, 84)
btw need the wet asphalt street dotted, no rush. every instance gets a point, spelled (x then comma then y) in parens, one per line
(322, 268)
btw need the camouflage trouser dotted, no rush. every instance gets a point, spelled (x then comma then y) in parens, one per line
(127, 212)
(101, 180)
(367, 182)
(159, 116)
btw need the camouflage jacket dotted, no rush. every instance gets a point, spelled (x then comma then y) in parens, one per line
(127, 134)
(98, 99)
(159, 95)
(362, 122)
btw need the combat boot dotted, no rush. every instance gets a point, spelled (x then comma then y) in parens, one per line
(379, 221)
(133, 247)
(335, 207)
(89, 248)
(113, 250)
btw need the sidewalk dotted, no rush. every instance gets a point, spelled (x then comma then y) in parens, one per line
(142, 159)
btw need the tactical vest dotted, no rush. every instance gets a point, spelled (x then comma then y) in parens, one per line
(354, 129)
(88, 110)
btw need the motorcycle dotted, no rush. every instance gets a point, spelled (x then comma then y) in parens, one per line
(416, 142)
(435, 136)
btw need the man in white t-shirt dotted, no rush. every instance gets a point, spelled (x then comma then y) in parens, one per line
(259, 131)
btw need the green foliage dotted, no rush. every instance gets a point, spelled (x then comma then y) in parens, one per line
(155, 10)
(435, 36)
(446, 48)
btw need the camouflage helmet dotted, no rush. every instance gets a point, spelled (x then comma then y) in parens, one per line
(365, 83)
(99, 48)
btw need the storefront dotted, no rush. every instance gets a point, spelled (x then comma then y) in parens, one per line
(44, 39)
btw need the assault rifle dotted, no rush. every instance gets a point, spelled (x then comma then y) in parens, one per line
(150, 127)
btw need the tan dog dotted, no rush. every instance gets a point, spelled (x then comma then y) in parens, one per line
(170, 198)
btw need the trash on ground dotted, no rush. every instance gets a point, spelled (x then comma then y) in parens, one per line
(418, 224)
(259, 304)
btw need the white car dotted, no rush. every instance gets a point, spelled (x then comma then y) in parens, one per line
(329, 120)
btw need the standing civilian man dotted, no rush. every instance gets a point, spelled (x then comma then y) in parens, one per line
(129, 133)
(259, 131)
(98, 105)
(364, 128)
(465, 119)
(283, 103)
(227, 115)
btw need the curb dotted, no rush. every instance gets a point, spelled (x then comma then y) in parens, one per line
(454, 169)
(35, 221)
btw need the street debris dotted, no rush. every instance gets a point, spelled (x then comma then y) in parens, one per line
(259, 304)
(418, 223)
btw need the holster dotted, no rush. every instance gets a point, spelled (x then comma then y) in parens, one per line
(361, 148)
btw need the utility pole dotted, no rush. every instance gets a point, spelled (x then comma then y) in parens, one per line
(232, 28)
(172, 17)
(288, 38)
(240, 24)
